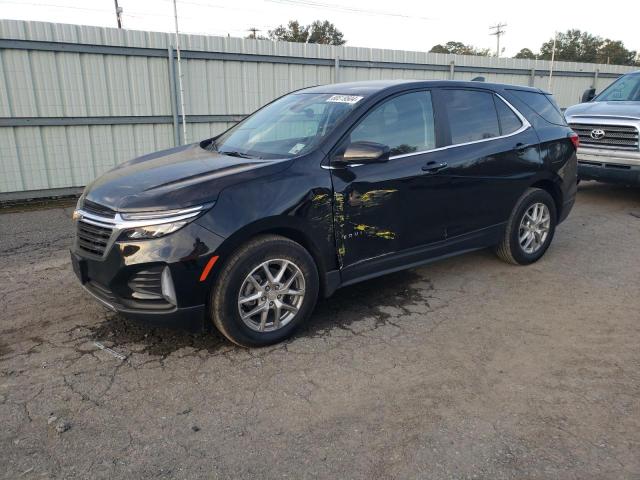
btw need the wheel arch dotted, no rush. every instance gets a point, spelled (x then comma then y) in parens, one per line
(288, 227)
(552, 188)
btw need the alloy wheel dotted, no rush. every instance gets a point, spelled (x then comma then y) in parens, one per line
(271, 295)
(534, 228)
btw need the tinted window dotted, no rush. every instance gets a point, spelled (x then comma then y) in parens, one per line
(404, 123)
(472, 115)
(541, 104)
(509, 121)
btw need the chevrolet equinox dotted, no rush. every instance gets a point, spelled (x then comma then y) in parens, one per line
(322, 188)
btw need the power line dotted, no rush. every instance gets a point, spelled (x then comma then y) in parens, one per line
(343, 8)
(498, 32)
(17, 2)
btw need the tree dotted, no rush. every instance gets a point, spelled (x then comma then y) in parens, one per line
(525, 53)
(578, 46)
(459, 48)
(323, 32)
(614, 52)
(573, 46)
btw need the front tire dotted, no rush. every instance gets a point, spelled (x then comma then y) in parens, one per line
(265, 291)
(530, 228)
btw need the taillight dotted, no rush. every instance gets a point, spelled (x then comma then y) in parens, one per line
(575, 139)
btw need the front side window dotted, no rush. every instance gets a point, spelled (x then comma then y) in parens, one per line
(404, 123)
(472, 115)
(292, 125)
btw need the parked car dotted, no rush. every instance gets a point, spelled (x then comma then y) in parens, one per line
(608, 126)
(322, 188)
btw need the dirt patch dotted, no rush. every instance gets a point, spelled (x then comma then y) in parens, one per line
(159, 342)
(37, 204)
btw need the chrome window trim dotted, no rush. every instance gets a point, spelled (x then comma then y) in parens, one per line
(523, 120)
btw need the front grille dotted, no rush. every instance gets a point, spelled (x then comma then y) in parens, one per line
(146, 284)
(97, 209)
(616, 137)
(92, 238)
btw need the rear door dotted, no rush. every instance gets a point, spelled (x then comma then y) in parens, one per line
(492, 156)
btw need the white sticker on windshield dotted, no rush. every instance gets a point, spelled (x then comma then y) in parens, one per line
(296, 148)
(344, 99)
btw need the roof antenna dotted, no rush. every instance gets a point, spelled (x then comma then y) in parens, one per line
(478, 79)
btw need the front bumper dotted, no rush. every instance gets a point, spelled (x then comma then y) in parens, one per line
(122, 280)
(609, 166)
(187, 318)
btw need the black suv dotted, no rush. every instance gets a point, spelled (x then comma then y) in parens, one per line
(322, 188)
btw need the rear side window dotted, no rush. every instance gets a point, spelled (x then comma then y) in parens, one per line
(509, 121)
(543, 105)
(472, 115)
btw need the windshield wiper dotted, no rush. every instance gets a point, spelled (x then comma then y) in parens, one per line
(236, 154)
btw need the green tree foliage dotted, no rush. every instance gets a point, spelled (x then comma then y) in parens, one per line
(459, 48)
(578, 46)
(323, 32)
(614, 52)
(525, 53)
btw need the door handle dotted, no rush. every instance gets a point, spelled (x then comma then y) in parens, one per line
(434, 167)
(521, 147)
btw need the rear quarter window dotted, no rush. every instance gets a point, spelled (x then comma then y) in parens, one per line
(509, 121)
(544, 105)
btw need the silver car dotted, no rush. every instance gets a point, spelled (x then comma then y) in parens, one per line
(608, 126)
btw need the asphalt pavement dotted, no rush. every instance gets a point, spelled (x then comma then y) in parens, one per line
(465, 368)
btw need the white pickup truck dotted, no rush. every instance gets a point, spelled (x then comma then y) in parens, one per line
(608, 126)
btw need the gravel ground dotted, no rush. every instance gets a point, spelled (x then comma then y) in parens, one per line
(467, 368)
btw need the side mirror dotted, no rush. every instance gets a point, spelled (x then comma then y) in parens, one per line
(588, 95)
(363, 152)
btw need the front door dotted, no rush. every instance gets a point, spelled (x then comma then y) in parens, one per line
(384, 209)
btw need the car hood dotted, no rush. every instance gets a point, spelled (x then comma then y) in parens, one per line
(176, 178)
(608, 109)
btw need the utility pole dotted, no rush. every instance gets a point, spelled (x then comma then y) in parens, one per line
(118, 14)
(498, 32)
(553, 57)
(254, 32)
(184, 121)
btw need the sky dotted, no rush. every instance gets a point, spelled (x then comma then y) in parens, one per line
(397, 24)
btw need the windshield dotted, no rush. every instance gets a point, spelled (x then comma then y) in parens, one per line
(292, 125)
(625, 89)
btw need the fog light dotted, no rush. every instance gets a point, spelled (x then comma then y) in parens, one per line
(168, 290)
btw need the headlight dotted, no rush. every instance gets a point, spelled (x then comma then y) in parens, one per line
(76, 213)
(146, 225)
(152, 231)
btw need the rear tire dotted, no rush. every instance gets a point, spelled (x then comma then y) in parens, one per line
(530, 228)
(251, 305)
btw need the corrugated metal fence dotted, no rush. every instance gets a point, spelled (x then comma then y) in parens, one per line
(77, 100)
